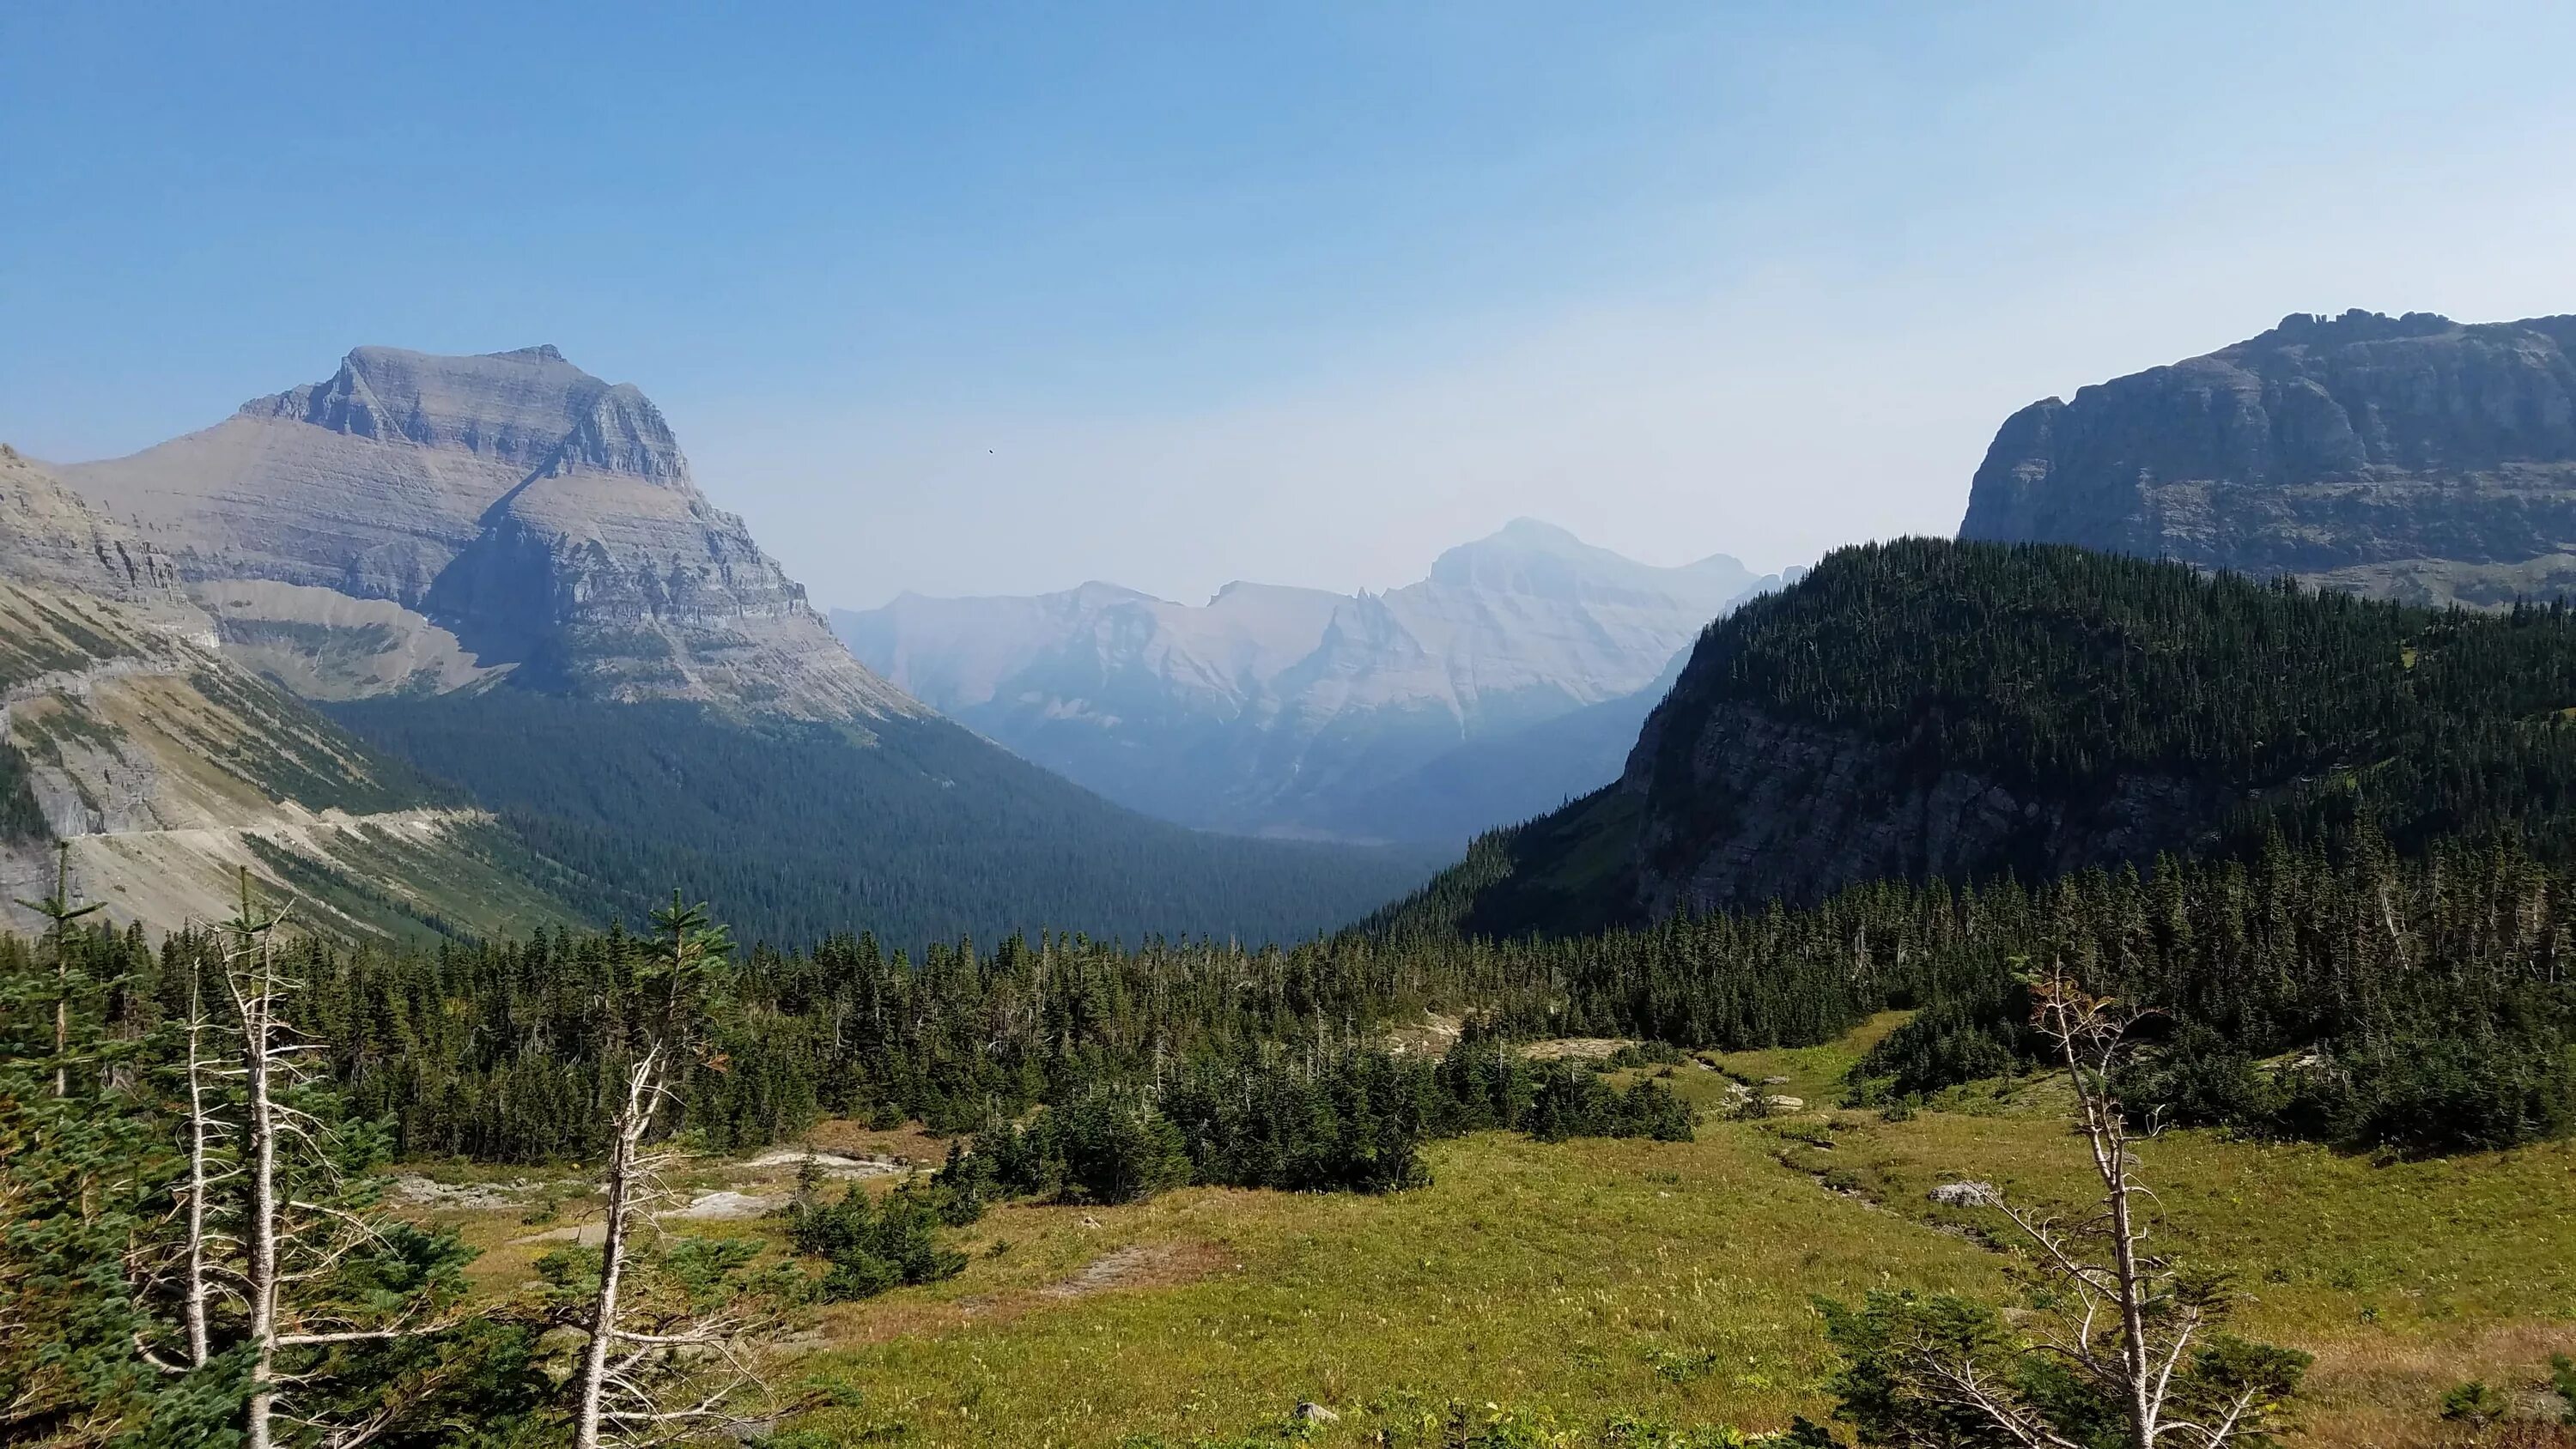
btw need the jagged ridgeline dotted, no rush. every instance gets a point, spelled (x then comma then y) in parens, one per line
(1932, 710)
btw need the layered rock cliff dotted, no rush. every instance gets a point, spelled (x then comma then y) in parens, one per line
(2411, 457)
(49, 536)
(532, 515)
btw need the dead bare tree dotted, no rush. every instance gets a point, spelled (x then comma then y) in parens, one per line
(661, 1369)
(204, 1137)
(2128, 1321)
(197, 1257)
(290, 1240)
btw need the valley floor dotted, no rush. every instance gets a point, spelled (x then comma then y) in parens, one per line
(1673, 1281)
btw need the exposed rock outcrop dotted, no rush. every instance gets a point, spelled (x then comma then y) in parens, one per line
(2411, 456)
(49, 536)
(1752, 808)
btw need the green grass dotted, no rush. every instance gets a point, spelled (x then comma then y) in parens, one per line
(1582, 1276)
(1671, 1280)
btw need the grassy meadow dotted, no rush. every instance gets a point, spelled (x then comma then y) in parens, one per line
(1668, 1280)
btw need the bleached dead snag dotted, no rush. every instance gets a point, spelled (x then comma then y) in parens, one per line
(662, 1372)
(2130, 1321)
(290, 1240)
(204, 1141)
(251, 973)
(624, 1187)
(196, 1258)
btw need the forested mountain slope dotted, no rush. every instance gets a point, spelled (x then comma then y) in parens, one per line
(1376, 716)
(919, 831)
(503, 570)
(1926, 709)
(2410, 457)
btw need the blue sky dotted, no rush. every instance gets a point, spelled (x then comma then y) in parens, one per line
(996, 298)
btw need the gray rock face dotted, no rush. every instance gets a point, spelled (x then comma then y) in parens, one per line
(1756, 808)
(1382, 716)
(544, 517)
(2407, 456)
(47, 535)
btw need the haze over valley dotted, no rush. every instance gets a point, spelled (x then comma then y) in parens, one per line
(1406, 715)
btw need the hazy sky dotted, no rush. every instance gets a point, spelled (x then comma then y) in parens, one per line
(997, 298)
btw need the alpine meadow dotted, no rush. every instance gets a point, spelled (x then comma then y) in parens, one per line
(1332, 739)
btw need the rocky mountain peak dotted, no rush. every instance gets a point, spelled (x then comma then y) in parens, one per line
(544, 516)
(528, 408)
(1527, 556)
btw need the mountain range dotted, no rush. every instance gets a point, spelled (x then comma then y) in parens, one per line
(499, 575)
(2026, 702)
(1509, 680)
(443, 643)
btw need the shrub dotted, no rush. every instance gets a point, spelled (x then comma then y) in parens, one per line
(1949, 1043)
(874, 1246)
(1575, 1103)
(2475, 1403)
(1107, 1145)
(1351, 1124)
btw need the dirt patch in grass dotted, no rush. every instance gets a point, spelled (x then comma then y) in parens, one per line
(905, 1146)
(1146, 1265)
(1156, 1265)
(1575, 1048)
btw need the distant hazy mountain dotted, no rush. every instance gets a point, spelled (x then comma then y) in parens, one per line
(500, 569)
(2411, 457)
(1397, 716)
